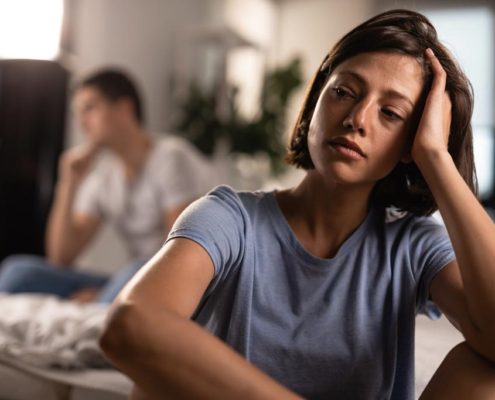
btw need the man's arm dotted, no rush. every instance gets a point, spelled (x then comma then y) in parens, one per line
(150, 336)
(68, 233)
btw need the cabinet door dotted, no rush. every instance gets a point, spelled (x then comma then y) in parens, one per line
(33, 97)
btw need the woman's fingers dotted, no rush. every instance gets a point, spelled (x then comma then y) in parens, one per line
(438, 93)
(439, 74)
(434, 127)
(447, 116)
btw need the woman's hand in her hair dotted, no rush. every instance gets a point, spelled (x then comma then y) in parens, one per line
(434, 127)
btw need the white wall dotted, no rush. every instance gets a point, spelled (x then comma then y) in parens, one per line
(141, 36)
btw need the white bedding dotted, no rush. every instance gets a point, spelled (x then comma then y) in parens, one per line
(50, 347)
(45, 331)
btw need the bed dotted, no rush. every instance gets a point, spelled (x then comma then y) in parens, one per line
(49, 350)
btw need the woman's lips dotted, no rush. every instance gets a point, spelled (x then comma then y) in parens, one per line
(347, 148)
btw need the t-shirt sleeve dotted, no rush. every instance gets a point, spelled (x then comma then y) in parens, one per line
(431, 250)
(180, 176)
(218, 223)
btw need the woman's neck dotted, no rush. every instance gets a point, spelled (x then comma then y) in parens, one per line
(323, 215)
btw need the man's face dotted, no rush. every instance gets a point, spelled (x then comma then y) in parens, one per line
(97, 115)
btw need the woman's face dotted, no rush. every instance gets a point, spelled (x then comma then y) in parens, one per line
(364, 116)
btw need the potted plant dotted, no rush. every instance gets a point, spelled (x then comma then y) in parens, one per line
(261, 136)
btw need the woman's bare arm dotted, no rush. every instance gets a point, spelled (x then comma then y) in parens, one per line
(151, 338)
(465, 289)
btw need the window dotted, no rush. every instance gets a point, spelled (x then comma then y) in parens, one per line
(30, 29)
(468, 33)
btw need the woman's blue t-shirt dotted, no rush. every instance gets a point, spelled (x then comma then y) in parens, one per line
(339, 328)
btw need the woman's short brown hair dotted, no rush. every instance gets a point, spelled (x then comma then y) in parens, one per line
(410, 33)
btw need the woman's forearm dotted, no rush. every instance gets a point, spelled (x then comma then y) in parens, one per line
(168, 355)
(471, 231)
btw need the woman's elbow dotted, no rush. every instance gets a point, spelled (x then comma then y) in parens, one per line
(119, 337)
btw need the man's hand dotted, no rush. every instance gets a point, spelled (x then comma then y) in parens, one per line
(75, 162)
(85, 295)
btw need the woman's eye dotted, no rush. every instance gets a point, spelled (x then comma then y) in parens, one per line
(340, 92)
(391, 114)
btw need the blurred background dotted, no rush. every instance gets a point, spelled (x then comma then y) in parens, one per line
(227, 74)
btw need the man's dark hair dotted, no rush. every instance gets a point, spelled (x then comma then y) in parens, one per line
(114, 85)
(409, 33)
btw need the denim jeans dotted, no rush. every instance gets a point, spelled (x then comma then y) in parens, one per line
(34, 274)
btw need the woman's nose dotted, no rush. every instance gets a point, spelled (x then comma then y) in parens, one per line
(358, 116)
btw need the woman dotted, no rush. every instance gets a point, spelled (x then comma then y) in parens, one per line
(313, 291)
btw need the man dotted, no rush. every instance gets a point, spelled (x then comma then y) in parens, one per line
(122, 175)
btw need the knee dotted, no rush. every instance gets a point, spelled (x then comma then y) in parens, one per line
(463, 354)
(460, 351)
(462, 373)
(20, 259)
(17, 270)
(475, 371)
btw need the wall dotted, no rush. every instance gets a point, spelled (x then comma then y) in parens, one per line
(142, 36)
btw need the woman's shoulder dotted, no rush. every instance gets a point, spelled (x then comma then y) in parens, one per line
(247, 200)
(400, 224)
(220, 220)
(224, 205)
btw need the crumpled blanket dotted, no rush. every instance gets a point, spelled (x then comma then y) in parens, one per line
(45, 331)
